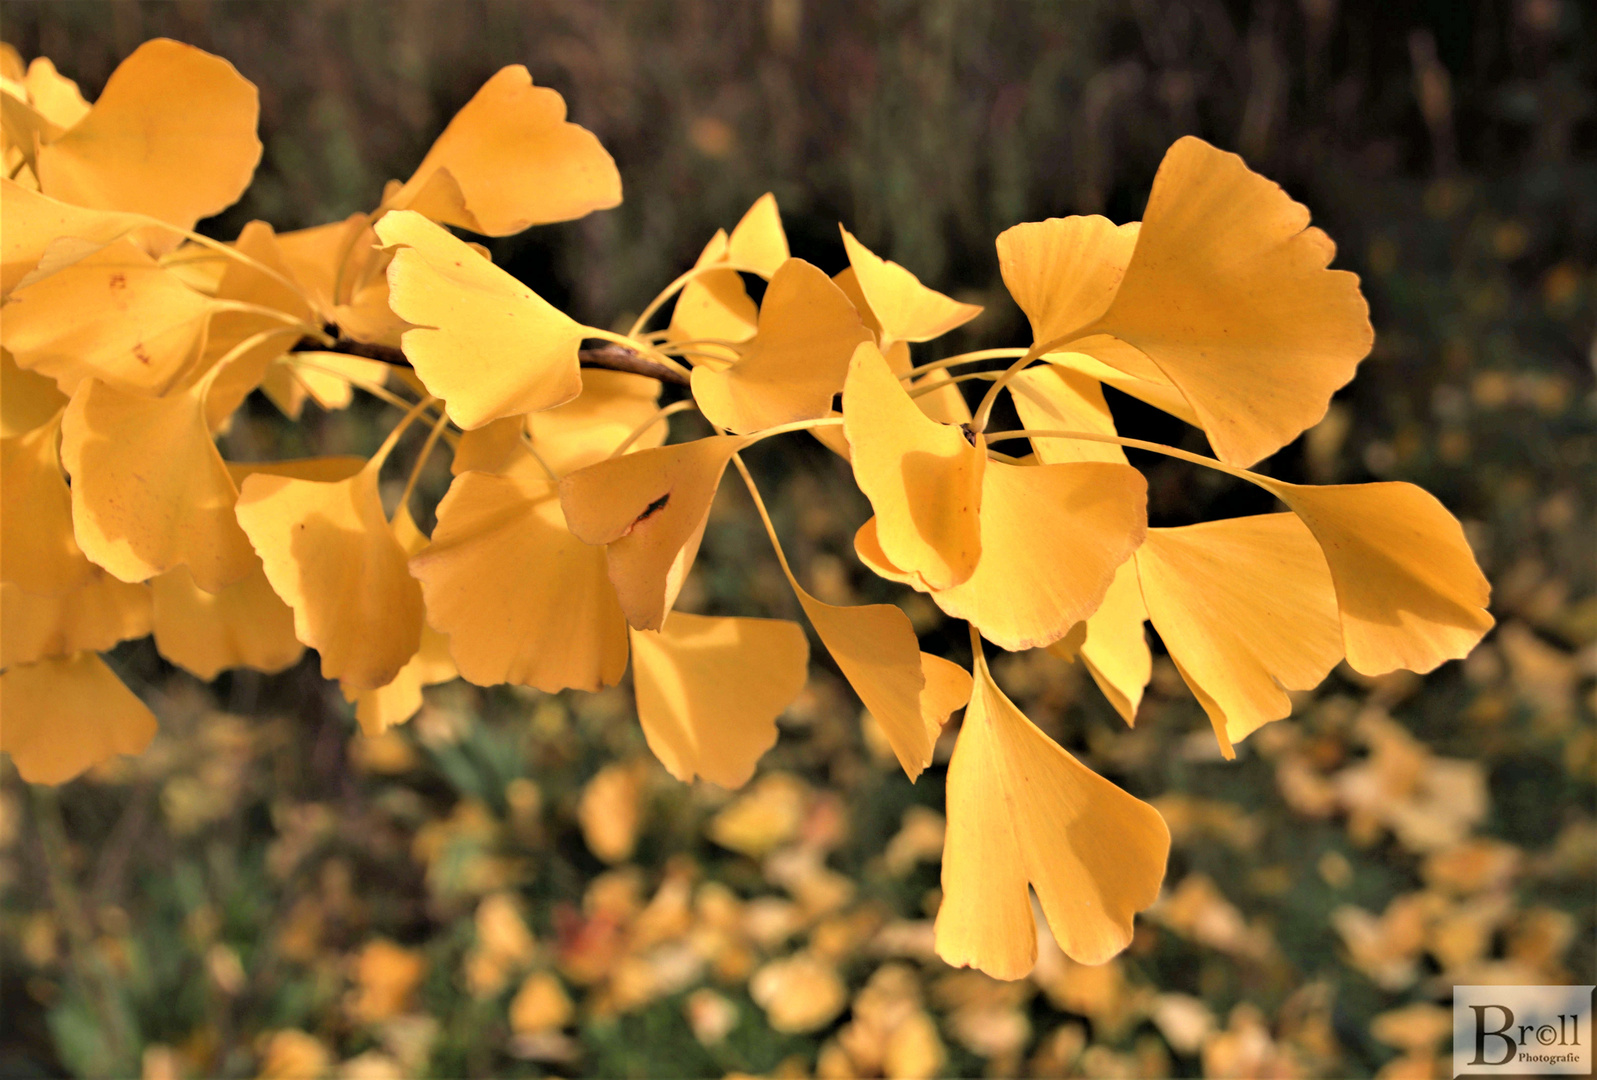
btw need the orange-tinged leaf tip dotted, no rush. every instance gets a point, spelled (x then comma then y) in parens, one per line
(1022, 811)
(64, 715)
(483, 342)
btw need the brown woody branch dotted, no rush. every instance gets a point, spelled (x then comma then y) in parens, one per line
(609, 357)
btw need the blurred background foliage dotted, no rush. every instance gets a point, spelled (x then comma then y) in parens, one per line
(510, 885)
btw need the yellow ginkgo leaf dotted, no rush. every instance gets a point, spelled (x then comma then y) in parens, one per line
(116, 315)
(1051, 398)
(758, 241)
(946, 406)
(1227, 291)
(37, 547)
(244, 625)
(588, 428)
(317, 255)
(924, 479)
(521, 599)
(330, 554)
(714, 305)
(1052, 539)
(326, 378)
(483, 342)
(232, 331)
(1246, 608)
(31, 222)
(1021, 810)
(709, 691)
(1409, 590)
(1116, 647)
(91, 618)
(905, 309)
(496, 447)
(149, 490)
(649, 509)
(62, 716)
(387, 706)
(1141, 377)
(55, 96)
(27, 399)
(909, 693)
(510, 159)
(378, 710)
(172, 136)
(1063, 272)
(797, 362)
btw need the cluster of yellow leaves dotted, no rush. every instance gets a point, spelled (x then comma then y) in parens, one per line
(572, 523)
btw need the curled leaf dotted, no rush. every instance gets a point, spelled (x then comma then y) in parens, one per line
(924, 479)
(905, 309)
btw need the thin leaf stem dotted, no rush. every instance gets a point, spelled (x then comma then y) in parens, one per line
(676, 286)
(376, 461)
(1137, 444)
(660, 414)
(421, 461)
(962, 358)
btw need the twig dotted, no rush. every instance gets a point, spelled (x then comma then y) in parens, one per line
(609, 357)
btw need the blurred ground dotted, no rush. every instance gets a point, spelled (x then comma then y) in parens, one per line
(512, 886)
